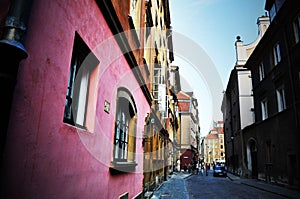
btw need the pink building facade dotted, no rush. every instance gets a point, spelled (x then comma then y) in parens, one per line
(98, 153)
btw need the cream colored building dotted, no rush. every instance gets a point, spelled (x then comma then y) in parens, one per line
(213, 145)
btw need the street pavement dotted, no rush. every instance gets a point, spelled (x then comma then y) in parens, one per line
(269, 187)
(175, 187)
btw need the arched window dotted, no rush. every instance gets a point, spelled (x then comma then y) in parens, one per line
(125, 132)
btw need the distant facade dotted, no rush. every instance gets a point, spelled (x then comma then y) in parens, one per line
(173, 120)
(213, 145)
(189, 129)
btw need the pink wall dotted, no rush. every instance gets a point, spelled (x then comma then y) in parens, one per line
(46, 158)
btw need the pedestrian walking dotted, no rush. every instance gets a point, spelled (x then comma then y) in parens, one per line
(197, 168)
(207, 168)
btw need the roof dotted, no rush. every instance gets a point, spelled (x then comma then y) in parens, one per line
(183, 96)
(212, 136)
(184, 101)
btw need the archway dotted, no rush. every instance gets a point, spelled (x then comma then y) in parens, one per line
(252, 157)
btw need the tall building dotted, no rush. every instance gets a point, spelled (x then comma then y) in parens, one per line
(173, 120)
(269, 147)
(237, 105)
(79, 96)
(271, 143)
(189, 128)
(158, 55)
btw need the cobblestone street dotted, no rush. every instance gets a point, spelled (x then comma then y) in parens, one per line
(175, 187)
(187, 186)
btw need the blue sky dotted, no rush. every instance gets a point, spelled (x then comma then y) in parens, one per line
(213, 25)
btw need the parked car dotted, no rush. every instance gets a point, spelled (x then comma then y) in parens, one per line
(220, 171)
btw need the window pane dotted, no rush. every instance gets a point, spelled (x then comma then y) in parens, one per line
(272, 12)
(78, 83)
(276, 54)
(296, 28)
(264, 109)
(82, 96)
(280, 99)
(261, 72)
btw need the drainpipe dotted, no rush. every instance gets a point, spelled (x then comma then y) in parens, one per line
(12, 52)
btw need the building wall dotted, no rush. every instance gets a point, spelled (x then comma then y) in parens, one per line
(156, 24)
(185, 131)
(46, 158)
(237, 105)
(274, 139)
(245, 98)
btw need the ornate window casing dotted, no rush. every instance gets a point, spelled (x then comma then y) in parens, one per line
(125, 133)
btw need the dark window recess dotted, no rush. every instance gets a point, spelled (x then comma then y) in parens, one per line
(82, 63)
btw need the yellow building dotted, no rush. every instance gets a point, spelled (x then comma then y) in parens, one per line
(213, 145)
(157, 57)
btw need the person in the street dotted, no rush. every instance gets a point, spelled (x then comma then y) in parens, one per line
(197, 168)
(207, 168)
(202, 169)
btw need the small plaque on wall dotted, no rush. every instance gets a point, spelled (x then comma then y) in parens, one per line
(106, 106)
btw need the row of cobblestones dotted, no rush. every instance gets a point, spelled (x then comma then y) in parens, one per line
(173, 188)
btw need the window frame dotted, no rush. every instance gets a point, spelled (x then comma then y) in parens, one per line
(296, 29)
(273, 12)
(261, 71)
(281, 99)
(124, 142)
(276, 54)
(82, 83)
(264, 109)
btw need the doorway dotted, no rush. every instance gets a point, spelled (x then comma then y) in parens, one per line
(252, 158)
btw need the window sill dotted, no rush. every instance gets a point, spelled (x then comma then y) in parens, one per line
(122, 167)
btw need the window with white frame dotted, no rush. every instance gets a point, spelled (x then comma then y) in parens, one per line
(296, 28)
(125, 127)
(80, 100)
(276, 54)
(261, 71)
(264, 109)
(281, 103)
